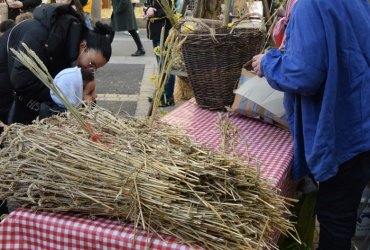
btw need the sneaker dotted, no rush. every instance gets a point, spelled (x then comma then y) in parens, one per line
(127, 33)
(139, 52)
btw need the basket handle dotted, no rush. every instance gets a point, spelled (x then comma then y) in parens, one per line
(247, 17)
(199, 22)
(202, 24)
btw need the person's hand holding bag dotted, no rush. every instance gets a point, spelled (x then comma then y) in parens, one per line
(256, 61)
(150, 12)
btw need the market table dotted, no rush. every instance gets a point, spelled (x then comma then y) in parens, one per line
(25, 229)
(258, 142)
(270, 146)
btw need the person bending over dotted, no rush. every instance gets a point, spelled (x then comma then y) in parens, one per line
(59, 37)
(76, 84)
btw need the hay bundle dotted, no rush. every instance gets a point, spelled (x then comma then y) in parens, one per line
(183, 90)
(155, 177)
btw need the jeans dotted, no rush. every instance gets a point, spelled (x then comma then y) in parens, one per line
(338, 200)
(170, 84)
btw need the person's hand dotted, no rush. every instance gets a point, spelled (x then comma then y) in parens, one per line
(15, 4)
(150, 12)
(256, 61)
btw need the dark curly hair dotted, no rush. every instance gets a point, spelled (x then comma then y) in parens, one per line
(100, 39)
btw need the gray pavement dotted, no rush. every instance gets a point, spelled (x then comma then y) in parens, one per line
(124, 84)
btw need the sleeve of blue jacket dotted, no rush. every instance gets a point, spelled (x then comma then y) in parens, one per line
(301, 69)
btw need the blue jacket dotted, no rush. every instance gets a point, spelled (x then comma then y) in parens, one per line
(325, 75)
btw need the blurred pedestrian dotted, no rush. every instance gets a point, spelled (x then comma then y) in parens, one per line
(156, 19)
(86, 14)
(123, 19)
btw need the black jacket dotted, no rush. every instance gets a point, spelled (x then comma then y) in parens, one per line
(154, 25)
(54, 34)
(28, 6)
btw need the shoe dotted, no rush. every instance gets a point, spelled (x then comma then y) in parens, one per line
(139, 52)
(127, 33)
(166, 102)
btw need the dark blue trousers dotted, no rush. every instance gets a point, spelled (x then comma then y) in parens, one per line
(169, 87)
(338, 200)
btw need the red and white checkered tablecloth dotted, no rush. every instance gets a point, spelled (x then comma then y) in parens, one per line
(270, 145)
(27, 230)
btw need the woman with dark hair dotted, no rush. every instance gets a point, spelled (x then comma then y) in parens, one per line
(59, 37)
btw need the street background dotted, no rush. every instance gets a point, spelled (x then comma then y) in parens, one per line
(125, 83)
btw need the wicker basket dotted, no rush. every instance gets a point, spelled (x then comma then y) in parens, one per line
(213, 64)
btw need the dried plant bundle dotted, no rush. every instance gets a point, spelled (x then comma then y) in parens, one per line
(146, 172)
(154, 176)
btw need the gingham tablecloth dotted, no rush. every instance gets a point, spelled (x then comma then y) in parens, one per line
(26, 230)
(271, 146)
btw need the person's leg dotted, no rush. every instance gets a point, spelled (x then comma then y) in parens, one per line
(140, 49)
(337, 203)
(133, 7)
(169, 87)
(155, 44)
(167, 98)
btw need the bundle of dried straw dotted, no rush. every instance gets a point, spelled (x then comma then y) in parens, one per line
(155, 177)
(146, 172)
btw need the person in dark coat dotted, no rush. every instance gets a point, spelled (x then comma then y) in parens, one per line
(123, 19)
(17, 7)
(60, 39)
(156, 19)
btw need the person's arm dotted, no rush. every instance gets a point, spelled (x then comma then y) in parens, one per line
(25, 83)
(302, 68)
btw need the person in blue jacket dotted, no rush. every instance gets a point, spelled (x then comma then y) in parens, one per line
(325, 74)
